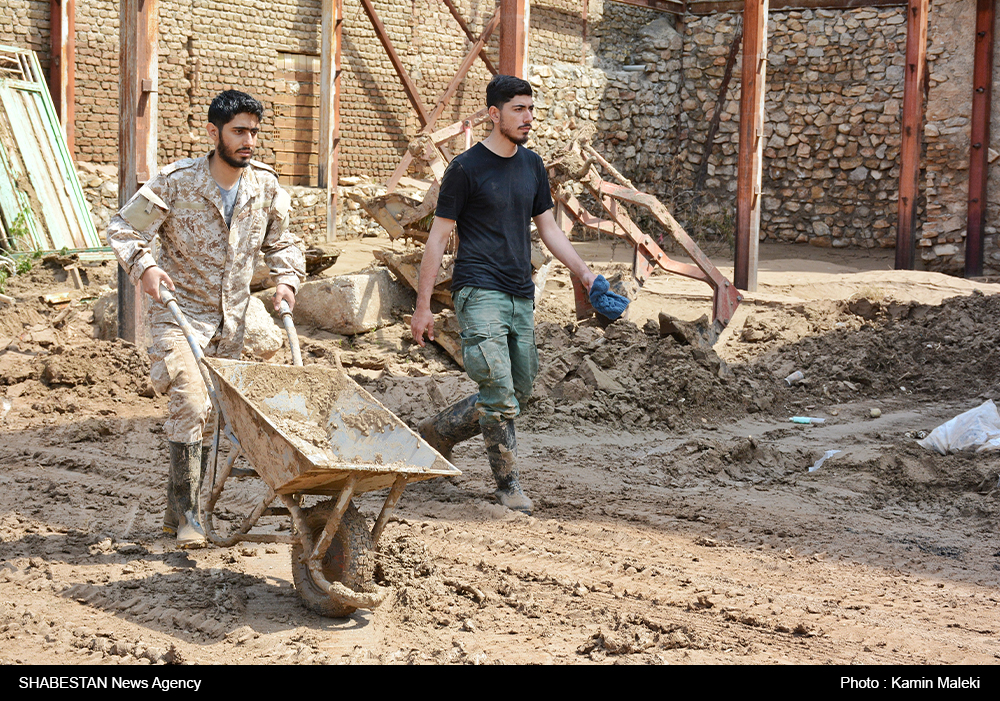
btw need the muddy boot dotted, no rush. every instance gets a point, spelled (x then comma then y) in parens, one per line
(457, 423)
(501, 449)
(169, 517)
(182, 497)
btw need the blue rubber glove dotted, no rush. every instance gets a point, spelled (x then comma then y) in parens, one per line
(605, 301)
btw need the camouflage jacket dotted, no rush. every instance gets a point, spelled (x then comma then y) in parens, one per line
(210, 263)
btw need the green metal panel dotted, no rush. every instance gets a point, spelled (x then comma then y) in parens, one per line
(40, 193)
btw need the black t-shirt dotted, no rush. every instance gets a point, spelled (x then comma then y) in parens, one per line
(493, 199)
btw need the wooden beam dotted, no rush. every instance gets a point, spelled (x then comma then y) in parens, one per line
(707, 7)
(408, 87)
(145, 126)
(468, 33)
(912, 130)
(982, 89)
(750, 158)
(62, 67)
(137, 68)
(407, 159)
(514, 16)
(329, 109)
(463, 69)
(128, 84)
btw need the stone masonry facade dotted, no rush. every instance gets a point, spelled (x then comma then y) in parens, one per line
(647, 81)
(831, 122)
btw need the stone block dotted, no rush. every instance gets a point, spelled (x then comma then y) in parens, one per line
(263, 337)
(352, 304)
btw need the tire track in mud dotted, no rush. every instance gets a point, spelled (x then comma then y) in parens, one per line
(685, 595)
(90, 515)
(162, 618)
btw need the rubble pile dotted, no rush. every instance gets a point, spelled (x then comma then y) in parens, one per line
(632, 377)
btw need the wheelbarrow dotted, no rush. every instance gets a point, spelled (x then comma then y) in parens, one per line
(311, 431)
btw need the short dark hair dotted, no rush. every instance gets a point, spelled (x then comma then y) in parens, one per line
(230, 103)
(504, 88)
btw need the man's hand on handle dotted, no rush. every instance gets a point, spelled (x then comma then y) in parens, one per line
(283, 292)
(151, 279)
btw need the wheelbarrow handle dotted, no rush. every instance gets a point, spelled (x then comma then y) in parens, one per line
(167, 297)
(293, 337)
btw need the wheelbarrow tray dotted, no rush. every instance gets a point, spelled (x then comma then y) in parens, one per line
(307, 429)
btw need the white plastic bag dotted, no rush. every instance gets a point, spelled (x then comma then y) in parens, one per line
(977, 429)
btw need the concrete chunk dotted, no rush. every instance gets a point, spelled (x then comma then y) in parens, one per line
(352, 304)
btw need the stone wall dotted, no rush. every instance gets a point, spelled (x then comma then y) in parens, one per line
(308, 211)
(831, 125)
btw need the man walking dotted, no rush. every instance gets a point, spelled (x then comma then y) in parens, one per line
(493, 192)
(211, 215)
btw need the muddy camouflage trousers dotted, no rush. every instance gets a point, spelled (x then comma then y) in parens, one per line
(498, 349)
(175, 373)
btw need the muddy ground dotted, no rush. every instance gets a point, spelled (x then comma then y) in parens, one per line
(676, 520)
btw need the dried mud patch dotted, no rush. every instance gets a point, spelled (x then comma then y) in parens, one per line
(906, 472)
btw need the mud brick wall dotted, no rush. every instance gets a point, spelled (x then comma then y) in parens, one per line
(557, 29)
(204, 49)
(25, 23)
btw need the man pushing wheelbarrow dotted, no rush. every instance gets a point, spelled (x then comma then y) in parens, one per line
(212, 215)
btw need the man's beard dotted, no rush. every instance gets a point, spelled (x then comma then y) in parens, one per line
(514, 134)
(229, 158)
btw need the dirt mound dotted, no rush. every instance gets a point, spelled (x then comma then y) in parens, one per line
(633, 377)
(91, 369)
(879, 348)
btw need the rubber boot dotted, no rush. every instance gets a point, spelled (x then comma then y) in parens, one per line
(182, 494)
(501, 449)
(169, 517)
(457, 423)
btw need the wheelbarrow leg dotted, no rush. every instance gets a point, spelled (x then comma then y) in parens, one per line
(390, 503)
(323, 544)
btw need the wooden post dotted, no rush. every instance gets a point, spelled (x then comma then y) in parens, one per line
(982, 84)
(514, 15)
(62, 67)
(128, 69)
(147, 33)
(751, 143)
(136, 133)
(329, 109)
(912, 130)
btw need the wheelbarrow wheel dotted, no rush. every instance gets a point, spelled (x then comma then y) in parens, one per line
(348, 559)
